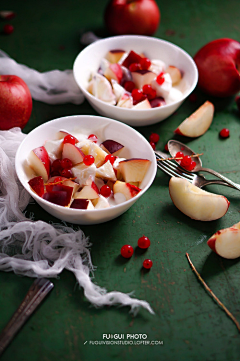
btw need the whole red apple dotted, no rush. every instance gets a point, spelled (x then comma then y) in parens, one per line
(218, 64)
(139, 17)
(15, 102)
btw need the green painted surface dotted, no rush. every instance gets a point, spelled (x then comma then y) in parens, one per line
(188, 321)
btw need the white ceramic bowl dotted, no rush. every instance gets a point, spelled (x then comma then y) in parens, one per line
(89, 60)
(136, 146)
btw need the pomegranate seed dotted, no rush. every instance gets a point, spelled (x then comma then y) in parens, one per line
(8, 29)
(145, 63)
(129, 86)
(105, 191)
(56, 165)
(224, 133)
(93, 138)
(186, 161)
(154, 137)
(111, 158)
(127, 251)
(144, 242)
(138, 96)
(134, 67)
(69, 139)
(153, 145)
(160, 79)
(147, 263)
(66, 163)
(88, 159)
(67, 173)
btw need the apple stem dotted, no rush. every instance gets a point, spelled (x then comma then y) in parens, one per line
(179, 158)
(212, 294)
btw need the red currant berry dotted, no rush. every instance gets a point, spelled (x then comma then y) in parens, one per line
(144, 242)
(67, 173)
(88, 159)
(224, 133)
(145, 63)
(179, 155)
(153, 145)
(56, 165)
(127, 251)
(70, 139)
(192, 165)
(160, 78)
(147, 263)
(134, 67)
(129, 86)
(149, 91)
(154, 137)
(111, 158)
(66, 163)
(186, 161)
(58, 180)
(166, 147)
(93, 138)
(105, 191)
(8, 29)
(138, 96)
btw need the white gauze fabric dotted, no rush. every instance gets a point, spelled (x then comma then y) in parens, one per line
(38, 249)
(52, 87)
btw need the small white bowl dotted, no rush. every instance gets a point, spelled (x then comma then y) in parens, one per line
(89, 59)
(136, 146)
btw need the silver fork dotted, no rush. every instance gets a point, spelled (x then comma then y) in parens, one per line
(174, 170)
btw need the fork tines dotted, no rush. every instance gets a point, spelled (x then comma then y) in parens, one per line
(173, 169)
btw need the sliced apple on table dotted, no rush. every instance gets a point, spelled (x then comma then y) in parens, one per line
(37, 185)
(226, 242)
(112, 147)
(175, 74)
(82, 204)
(114, 71)
(134, 169)
(195, 202)
(39, 161)
(144, 104)
(59, 194)
(114, 55)
(142, 77)
(127, 189)
(88, 192)
(73, 153)
(198, 122)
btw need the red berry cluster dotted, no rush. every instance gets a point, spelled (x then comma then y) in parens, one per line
(153, 140)
(143, 64)
(139, 95)
(186, 161)
(143, 243)
(62, 167)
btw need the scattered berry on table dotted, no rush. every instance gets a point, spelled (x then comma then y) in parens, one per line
(127, 251)
(147, 263)
(154, 137)
(8, 29)
(224, 133)
(144, 242)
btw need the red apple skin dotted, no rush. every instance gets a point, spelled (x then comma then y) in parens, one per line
(37, 185)
(15, 102)
(218, 64)
(141, 17)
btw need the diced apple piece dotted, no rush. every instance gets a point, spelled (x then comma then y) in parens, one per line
(195, 202)
(198, 122)
(106, 171)
(144, 104)
(114, 71)
(39, 161)
(100, 202)
(114, 55)
(64, 181)
(226, 242)
(100, 87)
(98, 153)
(59, 194)
(157, 102)
(118, 90)
(104, 64)
(142, 77)
(127, 189)
(37, 185)
(73, 153)
(83, 172)
(112, 147)
(162, 86)
(175, 74)
(82, 204)
(134, 169)
(131, 58)
(126, 101)
(88, 192)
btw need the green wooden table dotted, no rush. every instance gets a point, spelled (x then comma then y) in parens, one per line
(188, 324)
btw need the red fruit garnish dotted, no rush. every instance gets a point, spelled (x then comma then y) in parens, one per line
(144, 242)
(166, 147)
(149, 91)
(127, 251)
(145, 63)
(147, 263)
(111, 158)
(154, 137)
(66, 173)
(129, 86)
(138, 96)
(93, 138)
(88, 159)
(179, 155)
(105, 191)
(224, 133)
(56, 165)
(153, 145)
(192, 165)
(134, 67)
(160, 79)
(8, 29)
(70, 139)
(66, 163)
(186, 161)
(37, 185)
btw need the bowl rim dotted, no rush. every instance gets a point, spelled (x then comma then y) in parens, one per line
(153, 39)
(18, 167)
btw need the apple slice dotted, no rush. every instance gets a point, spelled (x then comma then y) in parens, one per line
(37, 185)
(198, 122)
(142, 77)
(82, 204)
(88, 192)
(118, 90)
(39, 161)
(64, 181)
(114, 71)
(175, 74)
(126, 101)
(100, 87)
(195, 202)
(131, 58)
(128, 190)
(100, 202)
(106, 171)
(59, 194)
(144, 104)
(112, 147)
(73, 153)
(98, 153)
(134, 169)
(114, 55)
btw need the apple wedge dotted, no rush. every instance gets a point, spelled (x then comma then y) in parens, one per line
(226, 242)
(64, 181)
(134, 169)
(195, 202)
(141, 77)
(88, 192)
(37, 185)
(144, 104)
(73, 153)
(39, 161)
(100, 87)
(59, 194)
(112, 147)
(114, 55)
(175, 74)
(198, 122)
(82, 204)
(127, 189)
(106, 171)
(114, 71)
(132, 57)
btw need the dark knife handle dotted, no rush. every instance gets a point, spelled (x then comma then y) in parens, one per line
(37, 292)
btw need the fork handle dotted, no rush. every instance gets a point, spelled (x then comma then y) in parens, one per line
(37, 292)
(225, 179)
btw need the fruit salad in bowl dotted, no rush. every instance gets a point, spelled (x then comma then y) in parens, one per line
(85, 169)
(135, 79)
